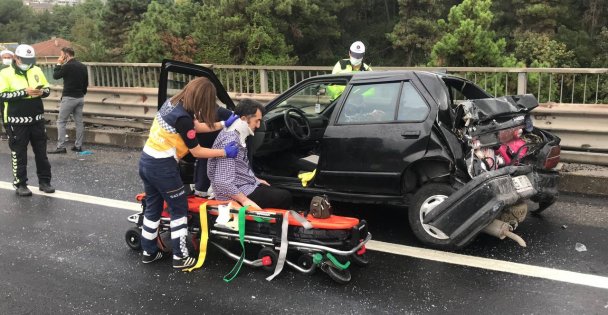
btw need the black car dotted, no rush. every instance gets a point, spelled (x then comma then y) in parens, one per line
(460, 160)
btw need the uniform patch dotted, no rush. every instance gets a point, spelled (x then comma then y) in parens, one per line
(191, 134)
(37, 78)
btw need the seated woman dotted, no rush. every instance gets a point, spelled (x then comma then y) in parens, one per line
(233, 179)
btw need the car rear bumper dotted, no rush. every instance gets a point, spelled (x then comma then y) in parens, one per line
(476, 204)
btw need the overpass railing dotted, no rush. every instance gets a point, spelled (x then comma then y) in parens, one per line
(560, 85)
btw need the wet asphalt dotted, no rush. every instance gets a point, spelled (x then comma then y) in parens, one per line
(69, 257)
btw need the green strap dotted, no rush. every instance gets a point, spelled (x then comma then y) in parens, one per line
(237, 267)
(261, 220)
(336, 262)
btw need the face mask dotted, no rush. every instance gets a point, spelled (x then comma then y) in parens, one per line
(24, 66)
(243, 130)
(7, 62)
(355, 62)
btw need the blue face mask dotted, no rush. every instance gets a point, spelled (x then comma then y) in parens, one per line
(24, 66)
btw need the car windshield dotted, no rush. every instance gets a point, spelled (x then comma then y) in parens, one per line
(313, 98)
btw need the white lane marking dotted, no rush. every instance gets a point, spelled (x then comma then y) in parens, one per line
(112, 203)
(396, 249)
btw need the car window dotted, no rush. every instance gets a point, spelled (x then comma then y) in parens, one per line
(411, 105)
(312, 99)
(368, 103)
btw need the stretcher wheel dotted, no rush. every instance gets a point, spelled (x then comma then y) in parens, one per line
(305, 261)
(267, 251)
(359, 260)
(338, 275)
(133, 238)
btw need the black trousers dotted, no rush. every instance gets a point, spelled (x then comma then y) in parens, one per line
(19, 137)
(271, 197)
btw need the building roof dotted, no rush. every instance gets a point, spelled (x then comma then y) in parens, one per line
(51, 47)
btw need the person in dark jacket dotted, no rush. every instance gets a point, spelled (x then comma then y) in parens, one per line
(75, 83)
(22, 87)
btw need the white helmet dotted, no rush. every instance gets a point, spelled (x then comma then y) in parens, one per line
(26, 53)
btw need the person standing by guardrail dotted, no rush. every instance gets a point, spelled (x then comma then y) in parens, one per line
(354, 62)
(22, 87)
(75, 82)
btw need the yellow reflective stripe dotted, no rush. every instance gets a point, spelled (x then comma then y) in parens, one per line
(202, 253)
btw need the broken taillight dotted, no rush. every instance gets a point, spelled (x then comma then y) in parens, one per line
(553, 157)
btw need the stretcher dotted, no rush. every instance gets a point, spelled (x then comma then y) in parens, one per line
(284, 237)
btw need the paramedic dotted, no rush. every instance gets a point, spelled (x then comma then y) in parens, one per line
(172, 136)
(233, 179)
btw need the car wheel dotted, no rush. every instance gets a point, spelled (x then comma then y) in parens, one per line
(424, 201)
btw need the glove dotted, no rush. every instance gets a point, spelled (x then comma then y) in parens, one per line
(230, 120)
(231, 150)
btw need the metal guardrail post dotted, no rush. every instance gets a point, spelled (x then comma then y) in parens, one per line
(263, 81)
(522, 83)
(90, 75)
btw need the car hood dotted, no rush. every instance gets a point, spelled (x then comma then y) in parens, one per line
(481, 110)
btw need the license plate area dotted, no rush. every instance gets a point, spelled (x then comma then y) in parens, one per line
(522, 183)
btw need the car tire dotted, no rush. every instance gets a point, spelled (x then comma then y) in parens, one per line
(424, 200)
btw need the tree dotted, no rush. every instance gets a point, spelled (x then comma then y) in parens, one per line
(468, 40)
(416, 31)
(16, 22)
(162, 33)
(539, 50)
(86, 33)
(117, 18)
(241, 32)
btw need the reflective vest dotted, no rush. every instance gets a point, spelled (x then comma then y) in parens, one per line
(23, 110)
(164, 141)
(344, 66)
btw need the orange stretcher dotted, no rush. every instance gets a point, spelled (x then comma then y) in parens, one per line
(330, 244)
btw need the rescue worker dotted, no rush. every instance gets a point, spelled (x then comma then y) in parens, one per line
(173, 136)
(7, 61)
(22, 87)
(355, 60)
(353, 63)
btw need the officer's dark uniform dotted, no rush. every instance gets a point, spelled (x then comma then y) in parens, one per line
(24, 121)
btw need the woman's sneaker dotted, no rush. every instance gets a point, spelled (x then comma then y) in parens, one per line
(146, 258)
(185, 262)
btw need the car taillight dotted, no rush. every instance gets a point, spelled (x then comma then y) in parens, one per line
(553, 157)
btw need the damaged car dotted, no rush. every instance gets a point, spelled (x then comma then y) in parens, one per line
(461, 161)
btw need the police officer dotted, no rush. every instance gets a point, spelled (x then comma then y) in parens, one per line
(22, 87)
(355, 60)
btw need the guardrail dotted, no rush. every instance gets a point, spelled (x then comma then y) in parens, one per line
(582, 127)
(561, 85)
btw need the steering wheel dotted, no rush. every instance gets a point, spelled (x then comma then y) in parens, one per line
(297, 124)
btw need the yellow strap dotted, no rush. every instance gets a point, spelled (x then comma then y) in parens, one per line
(202, 253)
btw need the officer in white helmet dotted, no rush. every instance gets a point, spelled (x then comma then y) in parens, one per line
(22, 87)
(355, 60)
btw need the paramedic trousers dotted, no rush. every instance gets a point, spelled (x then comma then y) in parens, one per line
(162, 183)
(19, 137)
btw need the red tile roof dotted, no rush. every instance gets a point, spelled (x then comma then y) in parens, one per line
(51, 47)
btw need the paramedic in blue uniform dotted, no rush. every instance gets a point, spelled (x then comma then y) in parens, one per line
(173, 136)
(22, 87)
(233, 179)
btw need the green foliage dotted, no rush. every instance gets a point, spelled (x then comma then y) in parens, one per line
(468, 40)
(539, 50)
(416, 31)
(117, 18)
(16, 22)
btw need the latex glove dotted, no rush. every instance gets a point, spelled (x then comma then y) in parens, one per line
(228, 122)
(231, 150)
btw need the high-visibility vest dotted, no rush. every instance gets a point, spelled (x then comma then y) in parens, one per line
(164, 140)
(24, 110)
(344, 66)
